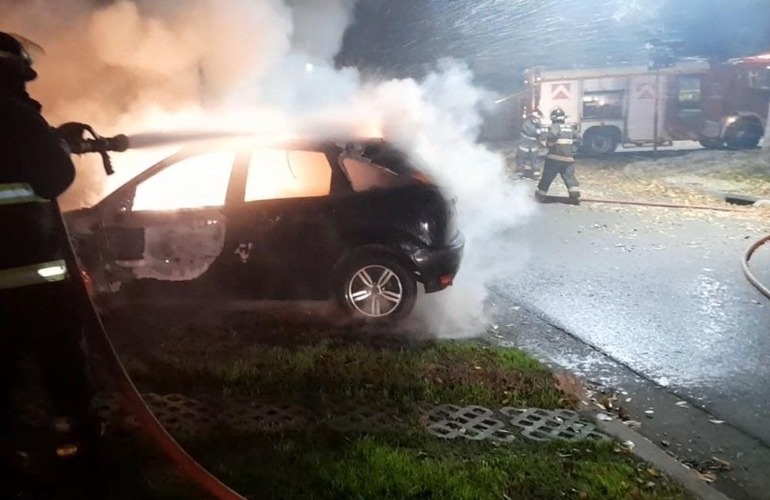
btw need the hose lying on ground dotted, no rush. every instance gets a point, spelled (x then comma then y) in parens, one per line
(747, 272)
(662, 205)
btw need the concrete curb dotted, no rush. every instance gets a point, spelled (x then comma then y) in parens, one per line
(648, 451)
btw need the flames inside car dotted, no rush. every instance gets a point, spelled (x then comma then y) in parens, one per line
(352, 221)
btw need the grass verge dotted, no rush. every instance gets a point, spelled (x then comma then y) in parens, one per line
(325, 369)
(320, 368)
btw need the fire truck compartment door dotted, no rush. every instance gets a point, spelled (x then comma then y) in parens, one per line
(641, 109)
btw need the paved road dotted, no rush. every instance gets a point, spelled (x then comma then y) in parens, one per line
(661, 291)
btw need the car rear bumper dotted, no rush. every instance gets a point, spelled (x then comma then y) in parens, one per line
(437, 266)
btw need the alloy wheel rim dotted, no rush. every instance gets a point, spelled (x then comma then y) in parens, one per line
(375, 291)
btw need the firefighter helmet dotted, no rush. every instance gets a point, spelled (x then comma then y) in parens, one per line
(536, 116)
(15, 62)
(558, 115)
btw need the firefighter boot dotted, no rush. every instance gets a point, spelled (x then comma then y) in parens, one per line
(79, 465)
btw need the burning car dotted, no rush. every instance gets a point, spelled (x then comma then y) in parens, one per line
(299, 220)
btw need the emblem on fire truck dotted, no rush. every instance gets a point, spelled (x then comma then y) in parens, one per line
(645, 90)
(561, 91)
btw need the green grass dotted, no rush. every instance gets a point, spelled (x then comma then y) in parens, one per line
(318, 464)
(321, 367)
(329, 371)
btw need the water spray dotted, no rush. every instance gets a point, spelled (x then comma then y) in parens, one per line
(81, 139)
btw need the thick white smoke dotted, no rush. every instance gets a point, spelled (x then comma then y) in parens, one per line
(129, 66)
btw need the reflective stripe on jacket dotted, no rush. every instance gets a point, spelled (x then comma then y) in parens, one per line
(32, 251)
(560, 141)
(45, 272)
(530, 136)
(17, 192)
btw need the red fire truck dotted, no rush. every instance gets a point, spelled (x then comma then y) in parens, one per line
(720, 105)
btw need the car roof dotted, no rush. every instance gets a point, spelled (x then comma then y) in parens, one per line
(235, 141)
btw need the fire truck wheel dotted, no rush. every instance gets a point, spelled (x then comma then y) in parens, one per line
(743, 134)
(600, 142)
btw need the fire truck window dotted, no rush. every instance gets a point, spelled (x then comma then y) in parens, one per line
(195, 182)
(365, 175)
(275, 174)
(603, 105)
(689, 92)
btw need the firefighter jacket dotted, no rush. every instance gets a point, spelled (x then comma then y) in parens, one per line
(561, 142)
(34, 170)
(530, 136)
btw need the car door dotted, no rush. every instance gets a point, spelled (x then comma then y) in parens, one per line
(163, 235)
(284, 228)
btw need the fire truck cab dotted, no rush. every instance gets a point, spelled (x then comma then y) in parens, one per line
(720, 105)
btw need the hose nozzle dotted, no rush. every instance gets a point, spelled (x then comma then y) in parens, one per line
(117, 143)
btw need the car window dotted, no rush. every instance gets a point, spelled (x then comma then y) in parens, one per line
(277, 173)
(195, 182)
(365, 175)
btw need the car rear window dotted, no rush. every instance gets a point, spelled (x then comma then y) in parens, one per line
(365, 175)
(277, 174)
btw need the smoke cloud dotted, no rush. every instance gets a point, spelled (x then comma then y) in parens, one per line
(131, 66)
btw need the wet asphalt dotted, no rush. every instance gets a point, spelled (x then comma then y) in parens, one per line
(659, 291)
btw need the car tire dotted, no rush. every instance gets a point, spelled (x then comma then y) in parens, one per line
(374, 287)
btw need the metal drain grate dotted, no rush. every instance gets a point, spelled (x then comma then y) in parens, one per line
(472, 422)
(477, 423)
(188, 417)
(546, 425)
(245, 416)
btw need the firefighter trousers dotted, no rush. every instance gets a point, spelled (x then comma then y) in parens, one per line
(527, 162)
(41, 322)
(551, 169)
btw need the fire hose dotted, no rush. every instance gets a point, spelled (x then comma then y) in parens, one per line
(99, 340)
(747, 272)
(661, 205)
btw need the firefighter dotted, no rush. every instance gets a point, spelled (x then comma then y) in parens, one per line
(38, 317)
(560, 160)
(528, 152)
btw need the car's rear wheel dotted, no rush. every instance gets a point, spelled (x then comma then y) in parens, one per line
(375, 287)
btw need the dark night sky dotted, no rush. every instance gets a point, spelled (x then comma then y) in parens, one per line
(500, 38)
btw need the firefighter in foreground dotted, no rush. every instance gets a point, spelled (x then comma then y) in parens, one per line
(560, 159)
(38, 316)
(528, 152)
